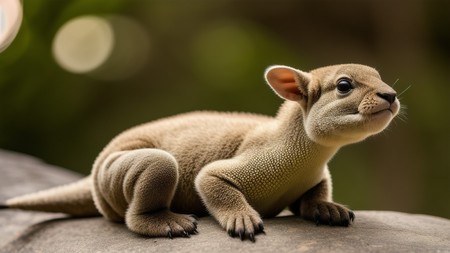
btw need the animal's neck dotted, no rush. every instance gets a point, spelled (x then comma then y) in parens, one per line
(291, 132)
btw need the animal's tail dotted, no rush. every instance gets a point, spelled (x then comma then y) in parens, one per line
(74, 199)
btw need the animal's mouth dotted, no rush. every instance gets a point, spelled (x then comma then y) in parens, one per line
(372, 113)
(382, 111)
(379, 110)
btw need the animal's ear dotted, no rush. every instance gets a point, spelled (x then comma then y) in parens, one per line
(287, 82)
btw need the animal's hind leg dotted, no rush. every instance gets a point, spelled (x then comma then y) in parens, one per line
(148, 179)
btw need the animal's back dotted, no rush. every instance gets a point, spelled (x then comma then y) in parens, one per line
(194, 139)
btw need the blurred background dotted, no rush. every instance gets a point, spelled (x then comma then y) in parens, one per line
(80, 72)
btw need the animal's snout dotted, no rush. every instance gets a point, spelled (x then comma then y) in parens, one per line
(390, 97)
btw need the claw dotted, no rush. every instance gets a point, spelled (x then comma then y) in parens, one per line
(231, 233)
(251, 237)
(345, 223)
(195, 231)
(241, 235)
(317, 221)
(194, 216)
(261, 228)
(169, 234)
(186, 234)
(352, 216)
(317, 218)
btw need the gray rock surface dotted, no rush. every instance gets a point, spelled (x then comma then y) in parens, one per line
(373, 231)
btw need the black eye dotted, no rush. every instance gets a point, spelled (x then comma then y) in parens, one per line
(344, 85)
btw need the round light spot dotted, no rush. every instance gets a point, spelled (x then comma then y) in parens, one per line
(10, 20)
(83, 44)
(130, 52)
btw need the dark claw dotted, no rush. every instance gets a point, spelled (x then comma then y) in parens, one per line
(185, 234)
(345, 223)
(169, 234)
(194, 216)
(317, 221)
(195, 231)
(261, 228)
(251, 237)
(317, 218)
(241, 235)
(352, 216)
(231, 233)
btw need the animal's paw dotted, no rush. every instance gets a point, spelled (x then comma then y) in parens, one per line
(242, 224)
(163, 223)
(323, 212)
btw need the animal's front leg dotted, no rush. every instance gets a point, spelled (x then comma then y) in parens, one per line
(228, 205)
(316, 205)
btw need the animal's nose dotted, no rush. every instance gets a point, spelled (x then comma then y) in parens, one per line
(390, 97)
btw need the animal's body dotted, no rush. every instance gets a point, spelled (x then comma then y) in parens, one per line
(237, 167)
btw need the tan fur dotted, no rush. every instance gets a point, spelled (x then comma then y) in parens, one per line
(240, 167)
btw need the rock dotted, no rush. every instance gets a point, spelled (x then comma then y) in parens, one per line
(373, 231)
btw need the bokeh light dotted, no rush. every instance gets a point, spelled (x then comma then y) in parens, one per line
(10, 20)
(130, 51)
(109, 48)
(83, 44)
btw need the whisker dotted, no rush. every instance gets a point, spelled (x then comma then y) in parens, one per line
(401, 93)
(393, 85)
(402, 114)
(403, 118)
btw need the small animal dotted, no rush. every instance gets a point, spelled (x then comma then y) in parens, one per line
(237, 167)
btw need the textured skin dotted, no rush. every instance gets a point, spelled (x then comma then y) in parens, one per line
(74, 199)
(237, 167)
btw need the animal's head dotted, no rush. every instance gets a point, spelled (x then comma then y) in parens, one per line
(342, 104)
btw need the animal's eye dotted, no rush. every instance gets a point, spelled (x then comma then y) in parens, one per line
(344, 85)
